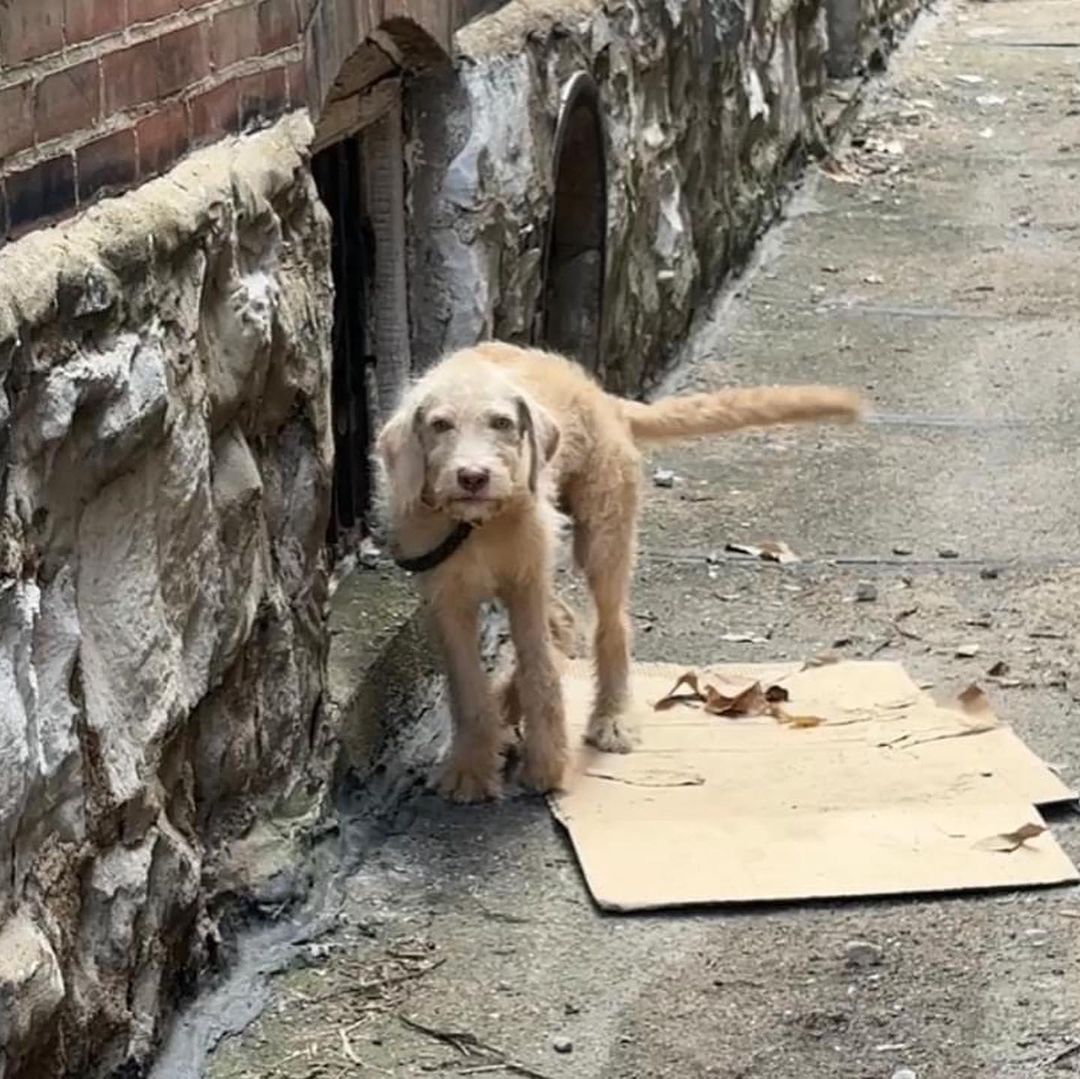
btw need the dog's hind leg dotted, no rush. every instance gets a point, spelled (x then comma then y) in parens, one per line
(605, 513)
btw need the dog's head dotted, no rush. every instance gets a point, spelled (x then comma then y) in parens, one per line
(467, 442)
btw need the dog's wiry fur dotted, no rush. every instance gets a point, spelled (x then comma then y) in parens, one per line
(498, 435)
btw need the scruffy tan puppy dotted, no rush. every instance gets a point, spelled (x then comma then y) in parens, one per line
(472, 466)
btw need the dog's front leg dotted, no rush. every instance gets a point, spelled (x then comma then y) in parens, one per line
(538, 687)
(472, 771)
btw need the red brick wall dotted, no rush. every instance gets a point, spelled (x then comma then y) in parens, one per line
(96, 95)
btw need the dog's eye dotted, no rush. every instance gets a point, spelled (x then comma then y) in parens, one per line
(502, 423)
(441, 426)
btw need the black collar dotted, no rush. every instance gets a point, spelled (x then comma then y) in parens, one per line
(438, 555)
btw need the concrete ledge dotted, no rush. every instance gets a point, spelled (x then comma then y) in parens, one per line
(384, 693)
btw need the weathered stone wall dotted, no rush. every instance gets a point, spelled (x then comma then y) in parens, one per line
(863, 32)
(708, 103)
(165, 464)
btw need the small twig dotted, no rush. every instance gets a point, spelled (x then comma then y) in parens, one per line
(348, 1050)
(469, 1045)
(881, 646)
(910, 634)
(464, 1041)
(1068, 1051)
(383, 983)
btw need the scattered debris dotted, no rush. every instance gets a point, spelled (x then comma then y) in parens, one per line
(562, 1045)
(1045, 633)
(983, 621)
(968, 650)
(989, 573)
(905, 1073)
(901, 549)
(663, 477)
(742, 638)
(862, 954)
(874, 279)
(866, 592)
(769, 551)
(948, 552)
(989, 101)
(998, 670)
(970, 80)
(733, 702)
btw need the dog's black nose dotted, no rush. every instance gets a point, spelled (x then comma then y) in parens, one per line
(473, 480)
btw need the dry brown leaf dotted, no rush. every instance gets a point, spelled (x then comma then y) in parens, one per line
(840, 173)
(1015, 840)
(747, 702)
(800, 723)
(769, 551)
(795, 722)
(778, 551)
(973, 700)
(673, 696)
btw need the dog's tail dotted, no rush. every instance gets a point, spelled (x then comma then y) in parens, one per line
(734, 409)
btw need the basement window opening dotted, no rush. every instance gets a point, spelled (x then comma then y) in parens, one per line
(571, 319)
(338, 171)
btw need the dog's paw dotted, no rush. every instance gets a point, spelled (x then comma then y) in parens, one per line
(470, 778)
(543, 771)
(612, 734)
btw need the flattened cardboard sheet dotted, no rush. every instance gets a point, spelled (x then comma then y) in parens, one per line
(890, 794)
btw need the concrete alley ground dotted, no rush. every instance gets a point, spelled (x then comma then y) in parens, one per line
(937, 266)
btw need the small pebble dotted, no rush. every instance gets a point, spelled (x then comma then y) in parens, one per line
(865, 592)
(948, 552)
(862, 954)
(562, 1045)
(900, 549)
(369, 554)
(663, 477)
(989, 573)
(904, 1073)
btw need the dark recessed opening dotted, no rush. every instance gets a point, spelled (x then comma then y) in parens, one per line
(338, 174)
(573, 295)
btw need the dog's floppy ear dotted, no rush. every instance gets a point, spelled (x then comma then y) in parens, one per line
(538, 426)
(402, 455)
